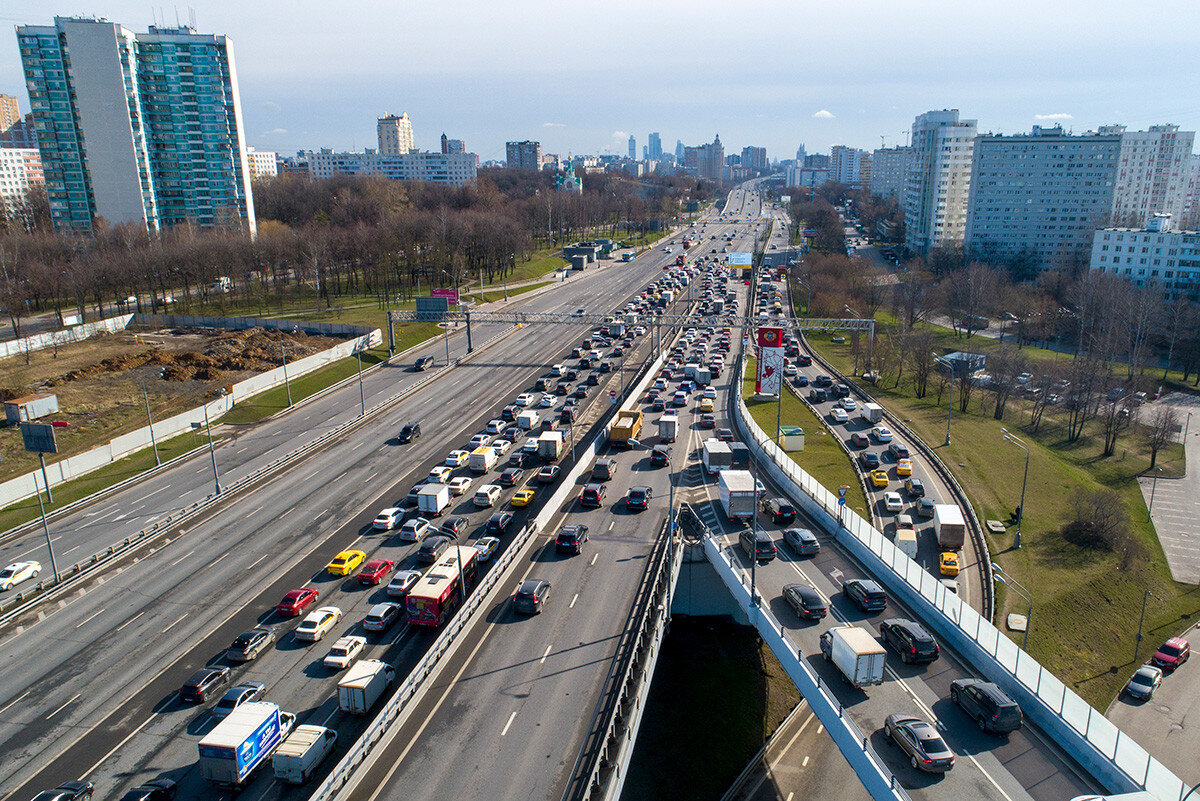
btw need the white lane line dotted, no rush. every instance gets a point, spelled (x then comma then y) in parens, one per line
(790, 795)
(329, 717)
(168, 628)
(256, 561)
(595, 556)
(254, 511)
(128, 737)
(573, 600)
(4, 708)
(152, 494)
(185, 556)
(64, 706)
(127, 622)
(610, 525)
(89, 617)
(288, 512)
(218, 559)
(541, 661)
(503, 731)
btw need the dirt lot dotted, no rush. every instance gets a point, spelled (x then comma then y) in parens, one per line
(99, 382)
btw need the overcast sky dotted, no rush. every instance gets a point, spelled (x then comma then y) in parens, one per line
(581, 76)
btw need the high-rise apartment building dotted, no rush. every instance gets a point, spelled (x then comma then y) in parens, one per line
(889, 171)
(1191, 197)
(801, 153)
(654, 147)
(10, 114)
(1036, 198)
(1152, 174)
(632, 147)
(15, 130)
(939, 180)
(452, 146)
(262, 163)
(395, 135)
(20, 171)
(847, 165)
(525, 155)
(142, 128)
(679, 151)
(754, 159)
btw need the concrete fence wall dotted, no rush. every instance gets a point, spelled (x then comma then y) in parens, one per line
(241, 323)
(75, 333)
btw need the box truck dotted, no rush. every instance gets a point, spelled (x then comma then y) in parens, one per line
(528, 420)
(871, 412)
(716, 456)
(627, 426)
(432, 499)
(703, 376)
(737, 493)
(482, 459)
(856, 653)
(906, 536)
(242, 742)
(689, 370)
(550, 445)
(363, 684)
(949, 526)
(668, 427)
(301, 752)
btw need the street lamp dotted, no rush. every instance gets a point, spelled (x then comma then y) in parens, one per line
(150, 420)
(212, 454)
(362, 395)
(950, 405)
(1004, 578)
(1021, 508)
(1138, 641)
(286, 382)
(670, 481)
(1153, 487)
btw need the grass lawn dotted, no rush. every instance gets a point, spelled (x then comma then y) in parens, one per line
(822, 457)
(1085, 605)
(497, 292)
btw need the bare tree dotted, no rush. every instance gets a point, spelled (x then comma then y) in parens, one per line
(1047, 386)
(1005, 366)
(1160, 430)
(923, 343)
(1114, 418)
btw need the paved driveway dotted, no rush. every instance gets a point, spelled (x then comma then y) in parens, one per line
(1176, 501)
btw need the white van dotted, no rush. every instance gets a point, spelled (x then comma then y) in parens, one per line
(487, 495)
(298, 755)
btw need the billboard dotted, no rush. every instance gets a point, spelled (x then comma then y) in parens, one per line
(769, 352)
(785, 198)
(432, 310)
(451, 295)
(740, 259)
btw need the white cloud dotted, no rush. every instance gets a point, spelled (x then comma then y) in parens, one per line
(272, 106)
(1061, 115)
(620, 134)
(554, 125)
(823, 115)
(275, 132)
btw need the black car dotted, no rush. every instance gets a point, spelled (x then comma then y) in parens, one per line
(638, 498)
(509, 413)
(567, 414)
(987, 704)
(532, 596)
(250, 644)
(67, 791)
(805, 601)
(915, 487)
(572, 375)
(153, 790)
(592, 495)
(822, 381)
(898, 450)
(659, 405)
(839, 391)
(779, 509)
(570, 539)
(562, 389)
(869, 460)
(909, 639)
(541, 385)
(454, 527)
(725, 434)
(432, 547)
(512, 433)
(660, 456)
(498, 523)
(804, 360)
(511, 476)
(203, 682)
(423, 363)
(817, 395)
(708, 420)
(759, 547)
(548, 474)
(581, 391)
(521, 458)
(866, 594)
(409, 432)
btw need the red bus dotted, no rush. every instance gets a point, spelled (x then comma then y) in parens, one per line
(439, 592)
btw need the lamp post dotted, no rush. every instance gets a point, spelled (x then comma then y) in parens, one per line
(1025, 480)
(212, 453)
(1008, 580)
(150, 420)
(1184, 441)
(286, 382)
(950, 405)
(671, 483)
(1153, 487)
(1137, 643)
(362, 395)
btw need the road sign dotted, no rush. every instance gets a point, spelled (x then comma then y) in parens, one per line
(612, 396)
(841, 501)
(842, 490)
(451, 295)
(38, 437)
(740, 259)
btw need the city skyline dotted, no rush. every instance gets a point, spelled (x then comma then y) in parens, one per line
(1006, 74)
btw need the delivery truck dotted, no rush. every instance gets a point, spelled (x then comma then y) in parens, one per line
(528, 420)
(242, 742)
(871, 412)
(716, 456)
(301, 752)
(856, 654)
(482, 459)
(550, 445)
(703, 377)
(363, 685)
(432, 499)
(737, 493)
(689, 370)
(949, 526)
(668, 427)
(906, 536)
(627, 426)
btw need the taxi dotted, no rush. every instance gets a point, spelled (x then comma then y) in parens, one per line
(904, 467)
(345, 562)
(522, 497)
(948, 563)
(879, 478)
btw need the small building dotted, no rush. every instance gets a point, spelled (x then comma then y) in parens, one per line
(962, 363)
(30, 407)
(791, 438)
(589, 249)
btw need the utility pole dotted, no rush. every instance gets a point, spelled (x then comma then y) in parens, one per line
(150, 420)
(283, 351)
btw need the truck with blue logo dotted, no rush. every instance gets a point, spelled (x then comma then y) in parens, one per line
(242, 742)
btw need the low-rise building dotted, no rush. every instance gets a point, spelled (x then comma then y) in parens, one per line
(438, 168)
(1152, 255)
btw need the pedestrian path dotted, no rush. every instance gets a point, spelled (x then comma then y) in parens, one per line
(1174, 503)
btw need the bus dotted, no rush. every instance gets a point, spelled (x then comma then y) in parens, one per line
(439, 592)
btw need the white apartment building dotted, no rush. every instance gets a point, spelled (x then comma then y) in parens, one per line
(1151, 255)
(20, 170)
(438, 168)
(1152, 173)
(395, 135)
(263, 163)
(810, 177)
(1036, 198)
(889, 171)
(847, 165)
(1191, 197)
(939, 180)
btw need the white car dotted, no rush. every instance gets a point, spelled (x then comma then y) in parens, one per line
(318, 624)
(849, 404)
(495, 426)
(893, 502)
(487, 495)
(402, 581)
(839, 415)
(530, 445)
(547, 401)
(457, 459)
(487, 547)
(882, 433)
(344, 652)
(480, 439)
(524, 399)
(387, 519)
(17, 572)
(458, 485)
(501, 447)
(439, 474)
(415, 528)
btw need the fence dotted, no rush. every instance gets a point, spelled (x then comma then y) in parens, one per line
(75, 333)
(275, 324)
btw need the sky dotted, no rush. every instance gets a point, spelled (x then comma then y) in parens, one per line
(580, 76)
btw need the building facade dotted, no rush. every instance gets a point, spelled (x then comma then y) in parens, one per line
(437, 168)
(263, 163)
(395, 135)
(754, 159)
(847, 165)
(939, 180)
(451, 146)
(1152, 174)
(20, 171)
(654, 149)
(889, 171)
(159, 113)
(15, 130)
(1154, 255)
(1191, 197)
(525, 155)
(632, 147)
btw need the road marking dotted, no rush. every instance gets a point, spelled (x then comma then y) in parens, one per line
(185, 556)
(542, 661)
(127, 622)
(118, 745)
(256, 561)
(4, 708)
(89, 617)
(64, 706)
(168, 628)
(288, 512)
(573, 600)
(503, 731)
(219, 558)
(610, 525)
(595, 556)
(254, 511)
(151, 494)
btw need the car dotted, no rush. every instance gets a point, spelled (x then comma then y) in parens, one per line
(457, 458)
(423, 363)
(511, 476)
(153, 790)
(296, 601)
(570, 539)
(882, 433)
(383, 616)
(508, 414)
(1171, 654)
(481, 439)
(344, 651)
(432, 547)
(758, 545)
(402, 581)
(805, 601)
(409, 432)
(780, 510)
(250, 644)
(893, 502)
(865, 594)
(374, 571)
(904, 467)
(67, 791)
(879, 478)
(495, 426)
(522, 497)
(524, 399)
(948, 564)
(487, 547)
(801, 380)
(817, 395)
(18, 572)
(387, 519)
(706, 405)
(909, 640)
(592, 495)
(414, 529)
(725, 435)
(660, 456)
(546, 402)
(985, 703)
(898, 450)
(532, 596)
(638, 498)
(839, 415)
(920, 742)
(439, 474)
(317, 624)
(1144, 682)
(548, 474)
(659, 405)
(803, 541)
(861, 440)
(915, 488)
(498, 523)
(486, 495)
(203, 682)
(345, 562)
(454, 527)
(869, 460)
(458, 485)
(237, 695)
(849, 404)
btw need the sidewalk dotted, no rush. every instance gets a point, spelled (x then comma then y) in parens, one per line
(1176, 501)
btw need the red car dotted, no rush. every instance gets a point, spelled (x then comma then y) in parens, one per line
(297, 601)
(374, 571)
(1173, 653)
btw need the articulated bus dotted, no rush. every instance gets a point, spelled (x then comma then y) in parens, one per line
(439, 592)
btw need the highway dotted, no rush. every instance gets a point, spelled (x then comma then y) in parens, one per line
(89, 688)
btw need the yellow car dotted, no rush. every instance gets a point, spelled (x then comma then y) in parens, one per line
(904, 467)
(522, 497)
(706, 404)
(948, 562)
(345, 563)
(879, 478)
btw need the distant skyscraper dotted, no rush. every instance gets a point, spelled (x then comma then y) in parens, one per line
(939, 180)
(654, 148)
(395, 135)
(708, 161)
(137, 128)
(754, 159)
(525, 155)
(679, 151)
(889, 170)
(1152, 174)
(15, 131)
(800, 154)
(1191, 197)
(632, 147)
(452, 146)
